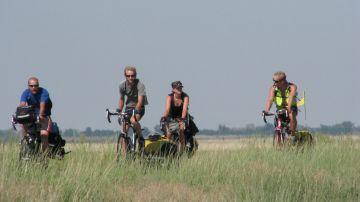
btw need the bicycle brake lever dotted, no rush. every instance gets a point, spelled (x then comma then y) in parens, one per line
(263, 116)
(108, 115)
(13, 123)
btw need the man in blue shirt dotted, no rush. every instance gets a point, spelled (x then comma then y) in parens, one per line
(39, 98)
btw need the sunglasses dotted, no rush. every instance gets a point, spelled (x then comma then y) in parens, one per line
(34, 86)
(277, 81)
(130, 76)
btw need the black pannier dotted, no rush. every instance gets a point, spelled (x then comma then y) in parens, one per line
(192, 128)
(25, 114)
(55, 138)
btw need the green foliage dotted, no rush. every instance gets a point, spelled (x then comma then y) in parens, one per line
(256, 172)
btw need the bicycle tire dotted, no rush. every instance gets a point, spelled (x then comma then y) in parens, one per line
(29, 151)
(121, 147)
(278, 140)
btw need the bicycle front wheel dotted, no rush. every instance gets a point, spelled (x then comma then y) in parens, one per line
(278, 140)
(121, 147)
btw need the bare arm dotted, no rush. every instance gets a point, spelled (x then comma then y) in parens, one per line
(140, 102)
(167, 106)
(42, 109)
(185, 107)
(270, 99)
(22, 104)
(121, 103)
(293, 89)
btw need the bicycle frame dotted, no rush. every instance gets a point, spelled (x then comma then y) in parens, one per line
(31, 142)
(125, 125)
(124, 130)
(282, 126)
(281, 123)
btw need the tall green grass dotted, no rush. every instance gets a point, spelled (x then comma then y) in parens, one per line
(328, 172)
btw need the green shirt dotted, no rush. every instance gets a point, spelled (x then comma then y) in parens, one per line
(131, 92)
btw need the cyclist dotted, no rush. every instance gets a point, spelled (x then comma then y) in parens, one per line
(176, 108)
(134, 91)
(283, 93)
(39, 98)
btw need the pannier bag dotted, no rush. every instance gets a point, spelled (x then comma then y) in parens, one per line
(192, 129)
(55, 137)
(25, 114)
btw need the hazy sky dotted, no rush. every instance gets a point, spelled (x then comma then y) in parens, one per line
(225, 52)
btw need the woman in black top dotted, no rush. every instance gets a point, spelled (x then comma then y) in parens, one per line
(176, 108)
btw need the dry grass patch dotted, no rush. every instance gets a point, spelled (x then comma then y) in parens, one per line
(232, 143)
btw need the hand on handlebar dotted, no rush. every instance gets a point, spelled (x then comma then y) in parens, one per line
(162, 119)
(116, 113)
(183, 120)
(41, 117)
(265, 114)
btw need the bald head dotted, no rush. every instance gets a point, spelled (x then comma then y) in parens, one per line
(279, 76)
(32, 80)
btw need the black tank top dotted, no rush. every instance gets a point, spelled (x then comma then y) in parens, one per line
(176, 111)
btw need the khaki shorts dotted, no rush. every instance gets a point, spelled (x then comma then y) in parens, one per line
(170, 129)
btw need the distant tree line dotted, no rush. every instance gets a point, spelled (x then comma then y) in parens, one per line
(345, 127)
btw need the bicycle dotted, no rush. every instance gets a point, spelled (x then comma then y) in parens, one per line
(30, 143)
(282, 128)
(191, 144)
(127, 143)
(282, 135)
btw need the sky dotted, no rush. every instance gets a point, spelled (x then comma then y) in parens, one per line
(224, 52)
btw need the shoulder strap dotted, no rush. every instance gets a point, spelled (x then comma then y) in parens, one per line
(137, 81)
(288, 88)
(171, 97)
(276, 90)
(183, 95)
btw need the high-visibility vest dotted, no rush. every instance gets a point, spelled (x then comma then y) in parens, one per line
(282, 102)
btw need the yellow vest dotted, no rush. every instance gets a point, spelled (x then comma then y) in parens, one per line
(282, 102)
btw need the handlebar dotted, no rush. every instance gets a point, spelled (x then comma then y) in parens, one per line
(110, 113)
(14, 122)
(265, 114)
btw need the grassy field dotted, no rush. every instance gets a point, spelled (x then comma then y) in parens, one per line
(247, 169)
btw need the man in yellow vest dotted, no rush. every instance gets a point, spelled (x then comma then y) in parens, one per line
(283, 93)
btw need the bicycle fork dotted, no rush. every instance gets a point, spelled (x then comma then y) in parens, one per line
(133, 142)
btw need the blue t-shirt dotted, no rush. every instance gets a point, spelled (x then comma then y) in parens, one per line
(34, 100)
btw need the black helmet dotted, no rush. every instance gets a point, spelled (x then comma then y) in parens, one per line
(176, 84)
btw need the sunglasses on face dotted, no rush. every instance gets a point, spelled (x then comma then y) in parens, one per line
(277, 81)
(130, 76)
(34, 86)
(178, 88)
